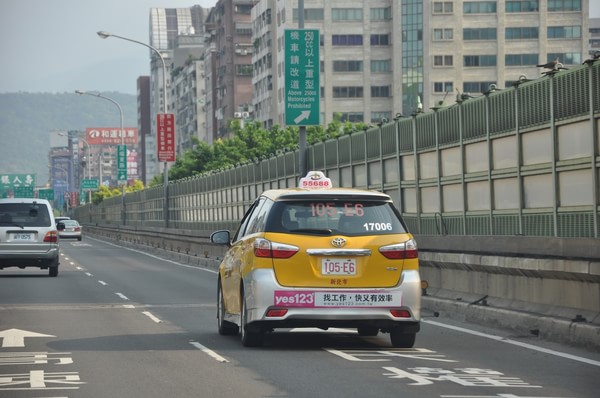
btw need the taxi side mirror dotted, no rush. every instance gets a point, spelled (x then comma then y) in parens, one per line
(221, 237)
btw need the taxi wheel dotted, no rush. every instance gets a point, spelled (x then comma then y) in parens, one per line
(225, 328)
(402, 340)
(367, 331)
(250, 338)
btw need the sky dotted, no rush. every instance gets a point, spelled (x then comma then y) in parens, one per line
(51, 46)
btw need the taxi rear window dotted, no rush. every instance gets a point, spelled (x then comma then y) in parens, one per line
(333, 217)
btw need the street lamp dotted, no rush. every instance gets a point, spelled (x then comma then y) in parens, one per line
(102, 34)
(80, 92)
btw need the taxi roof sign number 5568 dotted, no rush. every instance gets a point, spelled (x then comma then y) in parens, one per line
(302, 77)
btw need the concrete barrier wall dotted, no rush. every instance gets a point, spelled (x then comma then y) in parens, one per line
(553, 276)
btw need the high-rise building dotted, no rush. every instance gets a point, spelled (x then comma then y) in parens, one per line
(382, 58)
(166, 25)
(228, 64)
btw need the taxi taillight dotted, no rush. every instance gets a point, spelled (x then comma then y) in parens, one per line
(400, 251)
(398, 313)
(268, 249)
(51, 237)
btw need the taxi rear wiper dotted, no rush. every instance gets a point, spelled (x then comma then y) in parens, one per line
(312, 231)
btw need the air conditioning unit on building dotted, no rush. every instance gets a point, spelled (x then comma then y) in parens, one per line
(245, 115)
(237, 115)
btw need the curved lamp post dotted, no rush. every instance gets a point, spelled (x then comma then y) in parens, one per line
(103, 34)
(80, 92)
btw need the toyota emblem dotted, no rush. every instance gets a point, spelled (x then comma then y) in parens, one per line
(338, 242)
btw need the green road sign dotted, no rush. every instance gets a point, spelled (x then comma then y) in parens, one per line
(89, 184)
(122, 163)
(47, 194)
(302, 77)
(11, 181)
(23, 192)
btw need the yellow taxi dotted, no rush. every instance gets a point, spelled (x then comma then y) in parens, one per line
(318, 256)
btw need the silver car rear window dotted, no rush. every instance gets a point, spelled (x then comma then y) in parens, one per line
(24, 214)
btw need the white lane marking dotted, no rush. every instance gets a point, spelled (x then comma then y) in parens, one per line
(208, 351)
(149, 315)
(78, 268)
(122, 296)
(103, 283)
(158, 258)
(514, 342)
(88, 274)
(129, 306)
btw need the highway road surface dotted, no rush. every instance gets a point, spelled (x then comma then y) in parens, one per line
(119, 322)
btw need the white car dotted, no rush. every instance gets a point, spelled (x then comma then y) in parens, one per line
(28, 235)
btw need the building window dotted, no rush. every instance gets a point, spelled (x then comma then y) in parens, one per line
(480, 60)
(566, 58)
(243, 69)
(443, 60)
(477, 87)
(347, 66)
(480, 34)
(352, 117)
(380, 40)
(521, 33)
(521, 59)
(383, 65)
(380, 14)
(479, 7)
(381, 91)
(522, 6)
(310, 14)
(443, 34)
(564, 32)
(443, 7)
(347, 14)
(564, 5)
(443, 87)
(346, 40)
(347, 92)
(243, 28)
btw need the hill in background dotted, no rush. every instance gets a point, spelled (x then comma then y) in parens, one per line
(26, 120)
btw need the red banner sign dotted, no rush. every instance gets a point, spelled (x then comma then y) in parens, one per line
(165, 128)
(111, 135)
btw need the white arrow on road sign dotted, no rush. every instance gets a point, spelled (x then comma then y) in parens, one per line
(303, 115)
(16, 337)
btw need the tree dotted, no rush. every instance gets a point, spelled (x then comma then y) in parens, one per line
(250, 142)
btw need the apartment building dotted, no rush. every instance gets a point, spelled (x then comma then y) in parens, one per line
(166, 26)
(228, 64)
(384, 58)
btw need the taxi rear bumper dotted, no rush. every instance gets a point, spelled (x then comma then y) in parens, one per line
(305, 307)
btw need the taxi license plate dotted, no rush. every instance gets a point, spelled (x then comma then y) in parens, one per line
(338, 266)
(24, 237)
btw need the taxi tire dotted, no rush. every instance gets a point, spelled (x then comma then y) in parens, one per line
(402, 340)
(225, 328)
(53, 271)
(250, 338)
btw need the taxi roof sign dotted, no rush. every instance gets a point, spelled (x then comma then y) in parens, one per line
(315, 180)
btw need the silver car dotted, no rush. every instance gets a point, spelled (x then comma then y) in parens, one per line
(28, 235)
